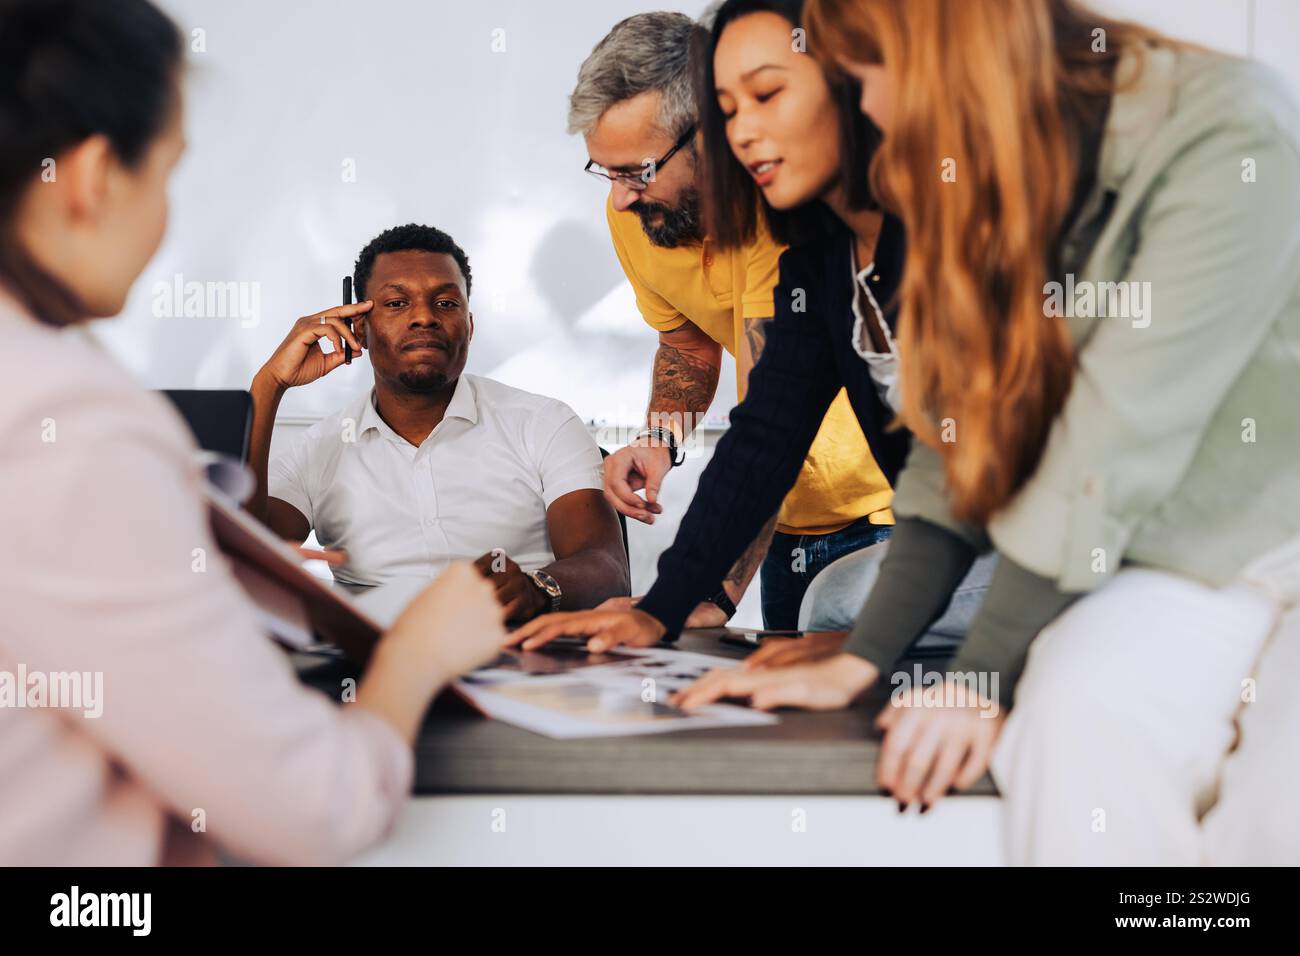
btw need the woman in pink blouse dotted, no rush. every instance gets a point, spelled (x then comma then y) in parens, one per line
(200, 736)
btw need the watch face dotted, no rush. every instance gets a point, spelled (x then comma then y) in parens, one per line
(549, 585)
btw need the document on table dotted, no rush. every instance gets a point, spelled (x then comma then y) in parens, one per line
(564, 692)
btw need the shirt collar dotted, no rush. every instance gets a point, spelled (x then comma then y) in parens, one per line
(1137, 110)
(463, 405)
(464, 401)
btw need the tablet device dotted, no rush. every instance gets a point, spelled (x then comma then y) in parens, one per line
(330, 614)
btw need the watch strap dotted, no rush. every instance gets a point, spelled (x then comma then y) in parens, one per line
(664, 437)
(723, 602)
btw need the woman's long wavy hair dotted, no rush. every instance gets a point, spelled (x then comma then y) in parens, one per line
(1002, 97)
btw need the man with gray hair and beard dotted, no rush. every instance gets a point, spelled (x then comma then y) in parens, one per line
(635, 107)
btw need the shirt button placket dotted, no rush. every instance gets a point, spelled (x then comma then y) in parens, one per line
(435, 535)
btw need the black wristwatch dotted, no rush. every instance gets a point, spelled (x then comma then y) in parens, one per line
(665, 437)
(724, 603)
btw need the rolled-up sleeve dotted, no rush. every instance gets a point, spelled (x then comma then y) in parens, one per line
(921, 492)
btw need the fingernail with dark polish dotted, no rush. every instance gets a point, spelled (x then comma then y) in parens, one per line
(925, 807)
(902, 807)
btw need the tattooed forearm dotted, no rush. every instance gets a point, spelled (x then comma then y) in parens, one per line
(683, 385)
(756, 337)
(749, 349)
(746, 566)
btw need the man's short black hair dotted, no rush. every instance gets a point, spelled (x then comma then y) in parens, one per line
(408, 238)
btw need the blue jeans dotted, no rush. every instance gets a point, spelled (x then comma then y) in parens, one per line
(794, 560)
(833, 601)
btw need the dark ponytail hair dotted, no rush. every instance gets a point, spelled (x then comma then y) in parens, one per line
(732, 203)
(69, 70)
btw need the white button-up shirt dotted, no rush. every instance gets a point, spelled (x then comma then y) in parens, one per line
(482, 480)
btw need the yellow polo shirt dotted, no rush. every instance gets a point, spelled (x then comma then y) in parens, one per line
(718, 290)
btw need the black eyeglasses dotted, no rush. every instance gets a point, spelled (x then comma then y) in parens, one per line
(639, 182)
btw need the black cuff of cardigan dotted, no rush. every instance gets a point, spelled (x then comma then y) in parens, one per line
(665, 603)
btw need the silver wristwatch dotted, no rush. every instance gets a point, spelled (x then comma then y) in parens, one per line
(548, 586)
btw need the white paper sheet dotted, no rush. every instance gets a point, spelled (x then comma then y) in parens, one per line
(567, 694)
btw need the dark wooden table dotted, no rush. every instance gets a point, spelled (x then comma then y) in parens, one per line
(827, 753)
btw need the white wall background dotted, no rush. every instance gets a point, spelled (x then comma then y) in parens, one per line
(442, 129)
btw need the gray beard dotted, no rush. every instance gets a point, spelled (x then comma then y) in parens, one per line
(679, 226)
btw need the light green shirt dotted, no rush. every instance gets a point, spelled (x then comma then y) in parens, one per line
(1179, 444)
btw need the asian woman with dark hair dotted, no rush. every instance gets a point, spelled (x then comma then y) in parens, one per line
(786, 141)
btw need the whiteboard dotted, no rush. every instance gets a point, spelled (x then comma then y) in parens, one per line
(315, 125)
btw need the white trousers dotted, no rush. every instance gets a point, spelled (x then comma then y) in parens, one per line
(1157, 722)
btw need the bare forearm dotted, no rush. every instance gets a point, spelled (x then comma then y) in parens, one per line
(397, 692)
(747, 565)
(266, 402)
(590, 577)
